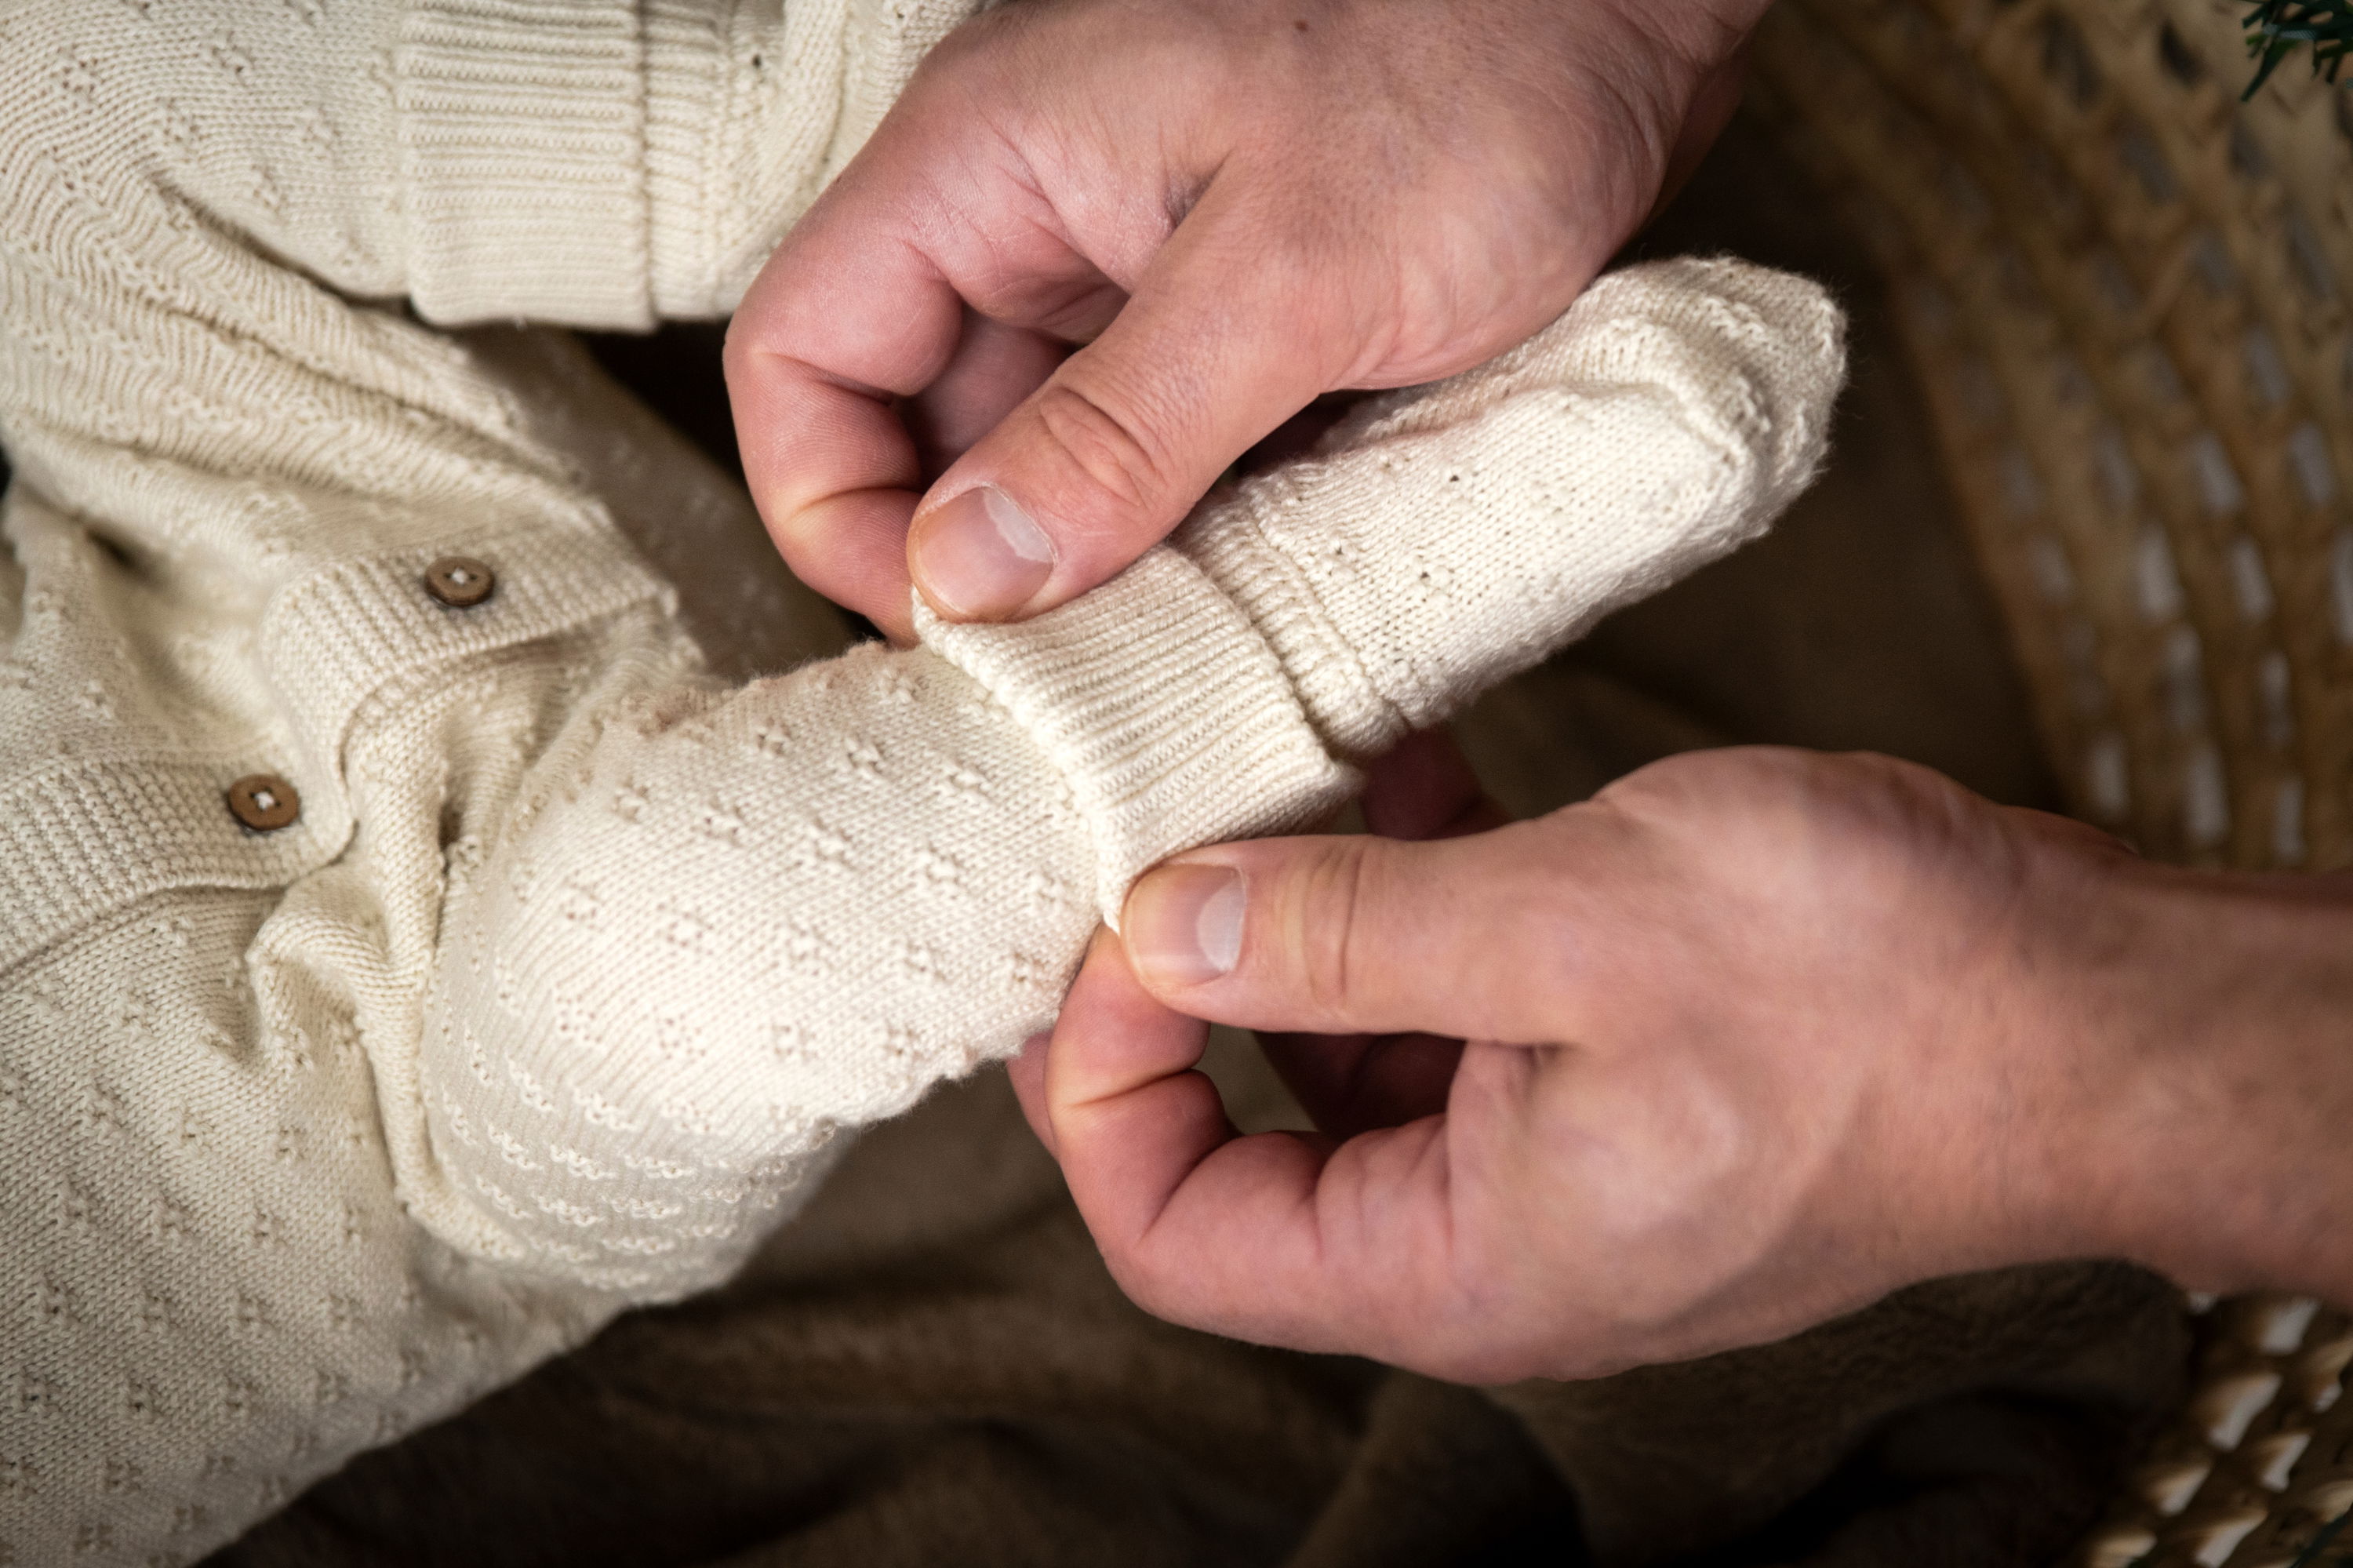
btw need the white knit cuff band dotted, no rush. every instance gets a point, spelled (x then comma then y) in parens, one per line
(689, 81)
(1341, 698)
(1164, 709)
(522, 134)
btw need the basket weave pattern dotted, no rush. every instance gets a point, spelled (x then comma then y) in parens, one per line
(2125, 295)
(2132, 334)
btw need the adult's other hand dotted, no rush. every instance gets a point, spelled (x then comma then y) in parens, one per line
(1754, 1037)
(1236, 206)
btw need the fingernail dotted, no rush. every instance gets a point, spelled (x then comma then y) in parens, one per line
(980, 556)
(1184, 923)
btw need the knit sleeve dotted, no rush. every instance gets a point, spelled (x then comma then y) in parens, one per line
(588, 163)
(607, 161)
(719, 929)
(1441, 540)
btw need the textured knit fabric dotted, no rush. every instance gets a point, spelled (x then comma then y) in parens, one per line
(554, 996)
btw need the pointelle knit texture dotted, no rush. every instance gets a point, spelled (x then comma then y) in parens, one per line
(579, 956)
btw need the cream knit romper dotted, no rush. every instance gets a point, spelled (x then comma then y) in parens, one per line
(573, 957)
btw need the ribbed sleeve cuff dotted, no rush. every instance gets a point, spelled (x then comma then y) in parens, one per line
(1162, 708)
(523, 135)
(1340, 697)
(690, 76)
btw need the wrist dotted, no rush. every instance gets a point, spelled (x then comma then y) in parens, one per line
(2215, 1088)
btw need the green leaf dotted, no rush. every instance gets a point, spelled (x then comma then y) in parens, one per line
(2277, 28)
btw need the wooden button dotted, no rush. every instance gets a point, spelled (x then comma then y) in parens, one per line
(460, 581)
(264, 802)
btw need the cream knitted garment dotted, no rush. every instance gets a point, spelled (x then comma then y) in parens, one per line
(576, 956)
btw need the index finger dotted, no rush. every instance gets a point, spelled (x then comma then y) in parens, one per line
(847, 315)
(1280, 1238)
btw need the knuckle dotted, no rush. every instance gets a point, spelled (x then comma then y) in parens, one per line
(1108, 452)
(976, 44)
(736, 348)
(798, 528)
(1151, 1288)
(1327, 925)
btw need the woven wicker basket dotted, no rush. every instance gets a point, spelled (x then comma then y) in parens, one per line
(2125, 295)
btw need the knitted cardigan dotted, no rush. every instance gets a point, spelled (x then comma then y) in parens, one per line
(574, 954)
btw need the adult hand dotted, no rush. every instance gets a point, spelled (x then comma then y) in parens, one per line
(1754, 1037)
(1236, 206)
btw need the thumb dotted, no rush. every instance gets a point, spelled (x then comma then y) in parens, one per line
(1464, 937)
(1220, 343)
